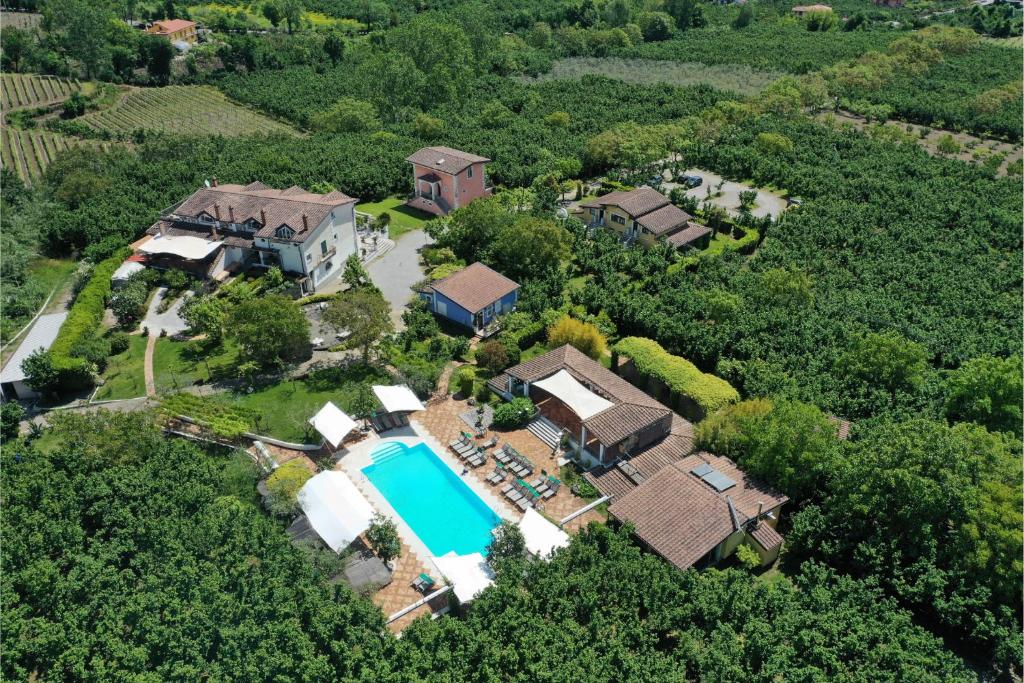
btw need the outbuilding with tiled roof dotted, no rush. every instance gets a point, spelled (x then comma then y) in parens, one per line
(473, 297)
(643, 215)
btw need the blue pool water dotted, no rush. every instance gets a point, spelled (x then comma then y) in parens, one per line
(432, 499)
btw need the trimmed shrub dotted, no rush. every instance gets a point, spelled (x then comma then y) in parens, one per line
(584, 336)
(119, 343)
(283, 486)
(492, 356)
(678, 374)
(514, 414)
(83, 320)
(462, 382)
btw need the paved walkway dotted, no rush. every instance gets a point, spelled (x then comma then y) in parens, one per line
(170, 320)
(767, 203)
(398, 270)
(147, 364)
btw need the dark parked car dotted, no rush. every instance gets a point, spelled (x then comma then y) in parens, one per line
(655, 181)
(689, 181)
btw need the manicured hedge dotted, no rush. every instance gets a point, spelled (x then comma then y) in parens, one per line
(679, 375)
(82, 322)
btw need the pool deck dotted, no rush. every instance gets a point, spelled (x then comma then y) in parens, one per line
(437, 426)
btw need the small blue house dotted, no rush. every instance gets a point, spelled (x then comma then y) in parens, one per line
(473, 297)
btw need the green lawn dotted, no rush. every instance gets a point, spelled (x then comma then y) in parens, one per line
(283, 409)
(124, 376)
(403, 219)
(179, 364)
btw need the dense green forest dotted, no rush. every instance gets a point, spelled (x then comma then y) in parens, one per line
(890, 297)
(129, 555)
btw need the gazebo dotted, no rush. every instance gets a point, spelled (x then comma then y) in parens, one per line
(332, 424)
(335, 508)
(396, 404)
(467, 574)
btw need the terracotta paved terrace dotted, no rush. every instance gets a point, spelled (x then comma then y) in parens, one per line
(442, 420)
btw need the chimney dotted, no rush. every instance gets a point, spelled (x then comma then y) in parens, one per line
(305, 223)
(213, 233)
(263, 218)
(757, 519)
(162, 228)
(215, 181)
(216, 211)
(231, 213)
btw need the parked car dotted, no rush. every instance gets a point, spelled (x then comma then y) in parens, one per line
(655, 181)
(689, 181)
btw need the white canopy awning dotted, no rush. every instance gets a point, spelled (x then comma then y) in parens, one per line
(335, 508)
(126, 270)
(584, 402)
(397, 399)
(542, 537)
(185, 246)
(333, 424)
(467, 574)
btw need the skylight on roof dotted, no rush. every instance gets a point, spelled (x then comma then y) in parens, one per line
(719, 481)
(702, 469)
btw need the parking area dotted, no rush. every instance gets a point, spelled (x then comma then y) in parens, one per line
(728, 195)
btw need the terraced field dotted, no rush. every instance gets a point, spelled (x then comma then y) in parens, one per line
(32, 90)
(29, 152)
(200, 110)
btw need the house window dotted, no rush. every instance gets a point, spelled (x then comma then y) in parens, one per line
(618, 219)
(284, 232)
(469, 172)
(309, 258)
(328, 266)
(323, 248)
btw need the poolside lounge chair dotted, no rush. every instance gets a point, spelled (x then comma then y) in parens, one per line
(496, 477)
(514, 496)
(536, 482)
(423, 583)
(523, 504)
(542, 488)
(517, 469)
(490, 443)
(476, 460)
(501, 456)
(507, 487)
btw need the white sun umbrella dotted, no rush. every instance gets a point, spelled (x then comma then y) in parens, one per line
(332, 423)
(541, 536)
(397, 399)
(335, 508)
(468, 574)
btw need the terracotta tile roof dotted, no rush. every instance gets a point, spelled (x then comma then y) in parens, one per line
(636, 202)
(612, 481)
(747, 492)
(256, 201)
(683, 518)
(475, 287)
(634, 409)
(766, 536)
(172, 25)
(445, 159)
(842, 426)
(677, 515)
(664, 220)
(614, 424)
(691, 233)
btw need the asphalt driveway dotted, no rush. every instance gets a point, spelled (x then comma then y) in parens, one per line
(398, 270)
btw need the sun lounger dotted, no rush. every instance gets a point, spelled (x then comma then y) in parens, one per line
(523, 504)
(506, 488)
(476, 460)
(536, 482)
(495, 477)
(423, 583)
(490, 443)
(502, 457)
(541, 489)
(548, 494)
(517, 469)
(514, 496)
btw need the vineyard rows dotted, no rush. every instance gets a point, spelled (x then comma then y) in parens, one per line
(181, 109)
(21, 90)
(28, 152)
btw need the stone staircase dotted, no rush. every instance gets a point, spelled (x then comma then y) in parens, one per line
(545, 430)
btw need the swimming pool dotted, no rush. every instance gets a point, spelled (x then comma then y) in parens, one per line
(432, 499)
